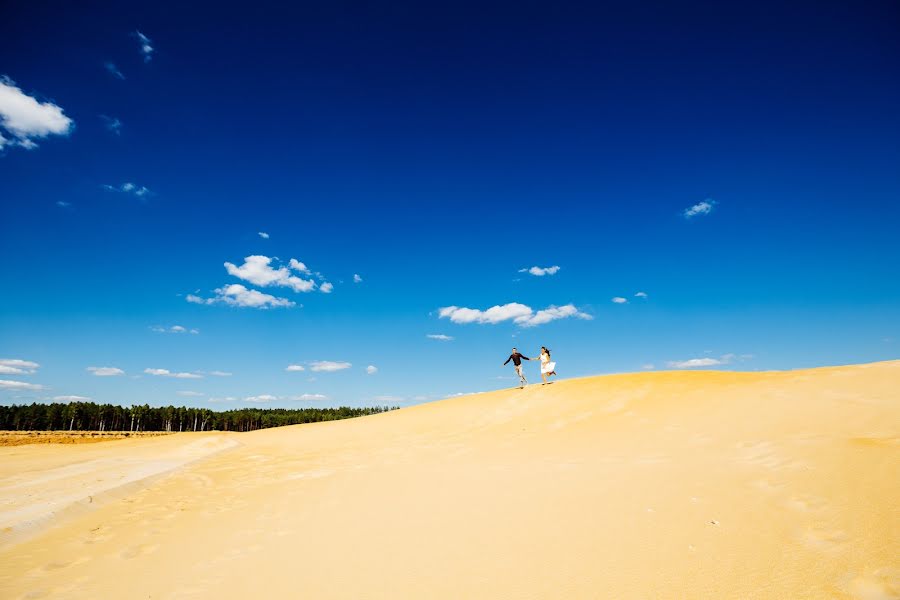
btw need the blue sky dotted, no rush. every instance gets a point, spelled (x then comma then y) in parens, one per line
(737, 165)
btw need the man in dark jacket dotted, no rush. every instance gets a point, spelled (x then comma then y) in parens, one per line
(517, 359)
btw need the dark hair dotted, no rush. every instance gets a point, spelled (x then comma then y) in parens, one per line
(547, 350)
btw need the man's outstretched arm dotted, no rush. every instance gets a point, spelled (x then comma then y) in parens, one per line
(507, 360)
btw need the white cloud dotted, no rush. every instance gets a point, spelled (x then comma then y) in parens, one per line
(553, 313)
(725, 359)
(620, 300)
(220, 373)
(303, 397)
(134, 189)
(701, 208)
(258, 271)
(648, 367)
(261, 398)
(371, 370)
(263, 235)
(641, 295)
(71, 399)
(298, 266)
(293, 368)
(328, 366)
(113, 125)
(357, 278)
(326, 288)
(113, 70)
(147, 48)
(189, 393)
(519, 314)
(440, 336)
(495, 314)
(540, 271)
(17, 366)
(238, 295)
(168, 373)
(174, 329)
(694, 362)
(223, 399)
(105, 371)
(63, 204)
(25, 119)
(6, 384)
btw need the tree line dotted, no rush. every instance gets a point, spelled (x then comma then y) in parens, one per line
(89, 416)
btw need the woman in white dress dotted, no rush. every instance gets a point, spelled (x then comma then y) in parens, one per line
(548, 367)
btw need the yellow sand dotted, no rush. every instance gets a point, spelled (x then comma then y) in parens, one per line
(652, 485)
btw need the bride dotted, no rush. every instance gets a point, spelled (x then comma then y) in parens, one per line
(548, 368)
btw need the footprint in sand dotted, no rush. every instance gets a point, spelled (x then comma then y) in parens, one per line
(880, 584)
(64, 564)
(136, 551)
(826, 540)
(807, 503)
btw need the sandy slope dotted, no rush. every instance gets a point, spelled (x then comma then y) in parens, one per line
(653, 485)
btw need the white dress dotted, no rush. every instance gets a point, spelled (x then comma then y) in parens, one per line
(546, 365)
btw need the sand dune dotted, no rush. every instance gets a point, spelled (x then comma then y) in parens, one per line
(652, 485)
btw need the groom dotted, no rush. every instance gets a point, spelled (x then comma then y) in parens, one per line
(517, 359)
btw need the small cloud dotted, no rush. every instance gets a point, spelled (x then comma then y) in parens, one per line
(619, 300)
(328, 366)
(190, 394)
(63, 204)
(708, 361)
(173, 329)
(220, 374)
(258, 270)
(17, 366)
(294, 368)
(440, 337)
(25, 119)
(309, 397)
(540, 271)
(238, 295)
(71, 399)
(694, 362)
(133, 189)
(105, 371)
(113, 70)
(146, 45)
(519, 314)
(263, 235)
(113, 125)
(701, 208)
(648, 367)
(6, 384)
(298, 266)
(261, 398)
(326, 288)
(371, 370)
(641, 295)
(357, 278)
(168, 373)
(224, 399)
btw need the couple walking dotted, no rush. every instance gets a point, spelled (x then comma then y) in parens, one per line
(548, 368)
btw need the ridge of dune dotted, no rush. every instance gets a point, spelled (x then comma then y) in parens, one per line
(676, 484)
